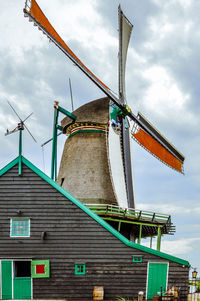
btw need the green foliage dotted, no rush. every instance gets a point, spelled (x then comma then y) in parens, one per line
(196, 283)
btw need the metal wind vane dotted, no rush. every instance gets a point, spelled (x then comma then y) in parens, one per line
(20, 127)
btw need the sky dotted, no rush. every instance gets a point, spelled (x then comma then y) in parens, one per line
(162, 82)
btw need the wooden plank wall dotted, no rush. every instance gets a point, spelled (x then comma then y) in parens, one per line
(72, 238)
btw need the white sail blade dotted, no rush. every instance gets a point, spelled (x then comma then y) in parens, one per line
(117, 168)
(125, 28)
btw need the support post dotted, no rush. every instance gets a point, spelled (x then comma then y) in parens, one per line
(159, 239)
(54, 144)
(151, 241)
(140, 235)
(119, 226)
(20, 126)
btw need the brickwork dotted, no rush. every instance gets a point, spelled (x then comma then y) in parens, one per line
(84, 169)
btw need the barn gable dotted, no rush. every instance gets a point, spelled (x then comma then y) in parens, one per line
(74, 240)
(90, 213)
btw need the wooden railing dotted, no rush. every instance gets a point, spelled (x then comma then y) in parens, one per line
(129, 213)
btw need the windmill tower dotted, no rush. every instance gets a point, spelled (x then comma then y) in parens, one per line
(96, 163)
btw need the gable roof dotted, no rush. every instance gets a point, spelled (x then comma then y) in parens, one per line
(91, 213)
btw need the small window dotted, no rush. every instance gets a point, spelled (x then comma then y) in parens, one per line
(20, 227)
(22, 269)
(137, 258)
(79, 269)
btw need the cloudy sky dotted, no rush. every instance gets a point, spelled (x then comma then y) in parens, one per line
(162, 82)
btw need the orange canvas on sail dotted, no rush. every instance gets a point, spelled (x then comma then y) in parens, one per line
(37, 14)
(157, 149)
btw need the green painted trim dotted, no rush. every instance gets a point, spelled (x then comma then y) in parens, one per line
(151, 241)
(79, 269)
(69, 114)
(40, 262)
(6, 279)
(86, 131)
(97, 218)
(128, 222)
(20, 152)
(159, 239)
(13, 234)
(140, 235)
(119, 226)
(9, 166)
(137, 258)
(54, 146)
(59, 127)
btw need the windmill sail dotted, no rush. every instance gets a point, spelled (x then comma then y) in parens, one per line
(117, 169)
(150, 144)
(35, 14)
(125, 29)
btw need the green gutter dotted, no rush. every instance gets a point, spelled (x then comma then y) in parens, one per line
(92, 214)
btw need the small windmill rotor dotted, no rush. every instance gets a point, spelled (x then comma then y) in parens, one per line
(19, 128)
(21, 125)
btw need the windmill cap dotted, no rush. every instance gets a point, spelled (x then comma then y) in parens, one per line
(96, 111)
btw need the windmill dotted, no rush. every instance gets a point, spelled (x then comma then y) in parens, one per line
(120, 113)
(20, 127)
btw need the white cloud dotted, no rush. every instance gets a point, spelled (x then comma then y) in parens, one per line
(176, 247)
(171, 209)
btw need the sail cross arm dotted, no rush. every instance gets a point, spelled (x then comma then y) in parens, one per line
(36, 15)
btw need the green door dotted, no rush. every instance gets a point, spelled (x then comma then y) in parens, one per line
(6, 279)
(157, 277)
(22, 288)
(16, 279)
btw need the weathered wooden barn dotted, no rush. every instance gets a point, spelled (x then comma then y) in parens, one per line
(52, 246)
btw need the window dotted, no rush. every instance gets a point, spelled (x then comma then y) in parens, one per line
(79, 269)
(20, 227)
(137, 258)
(22, 269)
(40, 269)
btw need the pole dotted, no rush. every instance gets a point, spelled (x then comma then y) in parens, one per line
(54, 146)
(159, 239)
(70, 87)
(20, 149)
(151, 240)
(140, 235)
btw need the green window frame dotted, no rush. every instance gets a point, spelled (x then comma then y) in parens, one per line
(137, 258)
(79, 269)
(20, 227)
(35, 263)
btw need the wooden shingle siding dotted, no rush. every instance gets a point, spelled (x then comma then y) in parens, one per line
(73, 237)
